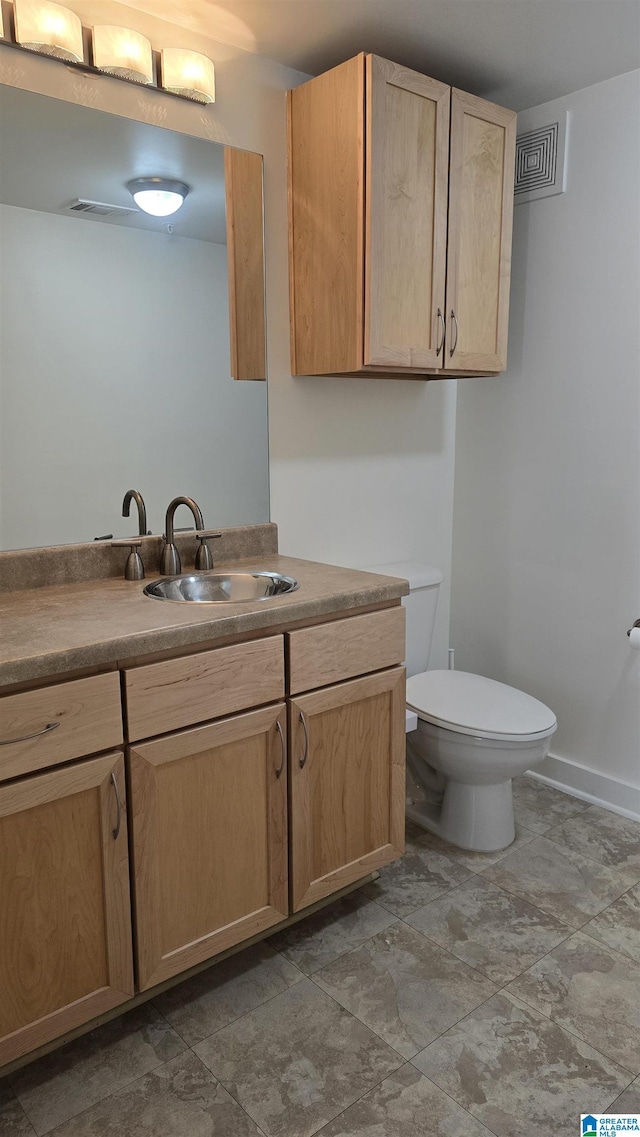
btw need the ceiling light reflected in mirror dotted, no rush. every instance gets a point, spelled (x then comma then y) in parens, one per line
(158, 196)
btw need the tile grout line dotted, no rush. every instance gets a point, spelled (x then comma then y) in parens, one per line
(529, 900)
(237, 1018)
(406, 1062)
(572, 1034)
(527, 1006)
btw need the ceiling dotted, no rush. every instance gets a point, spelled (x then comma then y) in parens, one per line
(55, 152)
(518, 52)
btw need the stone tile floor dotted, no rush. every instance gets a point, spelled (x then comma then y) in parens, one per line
(460, 995)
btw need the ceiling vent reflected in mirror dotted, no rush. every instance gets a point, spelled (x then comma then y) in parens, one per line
(99, 208)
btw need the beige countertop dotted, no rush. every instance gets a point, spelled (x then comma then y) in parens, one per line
(60, 628)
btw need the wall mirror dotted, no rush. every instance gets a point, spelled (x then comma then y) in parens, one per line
(116, 359)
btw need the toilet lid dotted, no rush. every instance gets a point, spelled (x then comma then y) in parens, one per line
(472, 704)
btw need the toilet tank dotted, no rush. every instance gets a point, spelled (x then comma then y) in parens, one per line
(421, 604)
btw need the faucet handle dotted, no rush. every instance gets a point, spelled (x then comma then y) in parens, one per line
(204, 560)
(134, 568)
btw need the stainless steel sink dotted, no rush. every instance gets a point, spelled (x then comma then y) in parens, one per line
(221, 588)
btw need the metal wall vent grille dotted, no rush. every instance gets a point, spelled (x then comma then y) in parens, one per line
(536, 158)
(540, 161)
(100, 208)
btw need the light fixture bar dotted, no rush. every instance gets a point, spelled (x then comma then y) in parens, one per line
(51, 29)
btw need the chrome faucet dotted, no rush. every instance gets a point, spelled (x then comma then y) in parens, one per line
(135, 495)
(170, 563)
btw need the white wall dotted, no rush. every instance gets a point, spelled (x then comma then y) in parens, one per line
(361, 470)
(547, 493)
(114, 373)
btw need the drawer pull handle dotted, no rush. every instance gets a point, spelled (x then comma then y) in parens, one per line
(116, 831)
(441, 344)
(305, 728)
(25, 737)
(279, 730)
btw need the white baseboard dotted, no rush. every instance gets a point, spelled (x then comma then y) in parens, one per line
(588, 785)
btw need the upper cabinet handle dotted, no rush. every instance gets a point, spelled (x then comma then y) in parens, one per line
(455, 342)
(305, 728)
(25, 737)
(279, 730)
(441, 344)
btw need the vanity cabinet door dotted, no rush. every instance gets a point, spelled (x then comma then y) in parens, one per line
(209, 820)
(65, 920)
(483, 138)
(347, 763)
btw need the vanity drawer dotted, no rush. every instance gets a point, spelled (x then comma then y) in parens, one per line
(329, 653)
(88, 715)
(180, 692)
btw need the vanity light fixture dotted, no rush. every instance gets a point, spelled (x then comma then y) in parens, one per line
(123, 53)
(158, 196)
(189, 74)
(49, 29)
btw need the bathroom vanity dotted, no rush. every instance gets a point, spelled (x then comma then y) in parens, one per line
(177, 779)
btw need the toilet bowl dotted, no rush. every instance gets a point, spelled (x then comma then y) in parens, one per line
(473, 734)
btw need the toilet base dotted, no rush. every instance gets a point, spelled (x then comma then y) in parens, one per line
(477, 818)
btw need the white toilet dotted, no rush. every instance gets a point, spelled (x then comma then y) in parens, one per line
(473, 735)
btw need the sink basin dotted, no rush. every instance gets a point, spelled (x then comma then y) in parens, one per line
(221, 588)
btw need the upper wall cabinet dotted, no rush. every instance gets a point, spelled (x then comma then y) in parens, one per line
(400, 212)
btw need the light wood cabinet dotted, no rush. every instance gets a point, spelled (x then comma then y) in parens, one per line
(180, 692)
(347, 783)
(342, 649)
(65, 943)
(400, 210)
(245, 262)
(229, 826)
(209, 839)
(50, 725)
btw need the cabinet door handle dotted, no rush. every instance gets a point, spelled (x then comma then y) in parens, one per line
(441, 344)
(25, 737)
(116, 831)
(305, 728)
(455, 342)
(279, 730)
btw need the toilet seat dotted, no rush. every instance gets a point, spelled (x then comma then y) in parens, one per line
(472, 704)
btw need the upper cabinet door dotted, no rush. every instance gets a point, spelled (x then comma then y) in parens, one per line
(407, 155)
(480, 224)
